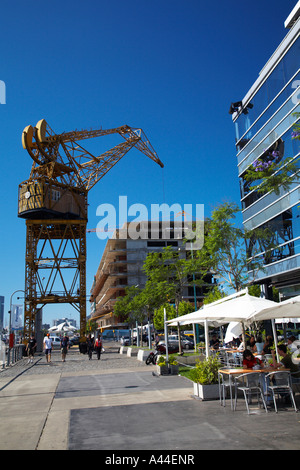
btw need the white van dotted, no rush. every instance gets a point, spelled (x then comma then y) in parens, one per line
(55, 342)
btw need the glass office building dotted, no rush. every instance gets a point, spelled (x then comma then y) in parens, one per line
(265, 129)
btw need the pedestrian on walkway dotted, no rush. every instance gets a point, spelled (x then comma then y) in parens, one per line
(64, 347)
(48, 347)
(90, 346)
(98, 347)
(30, 348)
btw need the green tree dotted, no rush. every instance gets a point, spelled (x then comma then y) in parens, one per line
(266, 176)
(225, 248)
(167, 274)
(213, 295)
(185, 307)
(158, 318)
(130, 306)
(91, 326)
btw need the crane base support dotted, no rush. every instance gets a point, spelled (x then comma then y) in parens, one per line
(55, 268)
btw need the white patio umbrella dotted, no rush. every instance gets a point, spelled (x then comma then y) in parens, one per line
(288, 309)
(234, 330)
(238, 307)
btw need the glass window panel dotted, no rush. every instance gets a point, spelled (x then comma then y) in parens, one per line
(280, 76)
(291, 59)
(285, 230)
(283, 111)
(266, 116)
(291, 148)
(276, 81)
(269, 140)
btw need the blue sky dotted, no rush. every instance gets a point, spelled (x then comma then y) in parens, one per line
(170, 67)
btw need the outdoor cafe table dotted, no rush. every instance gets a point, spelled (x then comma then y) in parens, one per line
(235, 371)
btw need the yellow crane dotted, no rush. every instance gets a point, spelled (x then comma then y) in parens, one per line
(54, 203)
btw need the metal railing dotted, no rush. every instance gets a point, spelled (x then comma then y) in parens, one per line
(13, 355)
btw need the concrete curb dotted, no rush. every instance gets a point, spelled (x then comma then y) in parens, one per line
(143, 354)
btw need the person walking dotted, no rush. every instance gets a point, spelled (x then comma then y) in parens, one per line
(98, 347)
(30, 348)
(90, 346)
(64, 347)
(48, 347)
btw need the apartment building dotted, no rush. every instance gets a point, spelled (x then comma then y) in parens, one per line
(121, 266)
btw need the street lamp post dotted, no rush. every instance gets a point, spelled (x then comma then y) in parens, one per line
(9, 323)
(196, 337)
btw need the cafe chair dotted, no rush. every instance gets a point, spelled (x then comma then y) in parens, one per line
(224, 384)
(234, 359)
(279, 383)
(295, 382)
(221, 355)
(250, 384)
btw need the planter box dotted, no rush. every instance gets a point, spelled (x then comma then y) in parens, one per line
(174, 369)
(191, 360)
(162, 370)
(206, 392)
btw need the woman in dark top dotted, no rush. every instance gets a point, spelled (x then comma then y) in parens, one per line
(268, 345)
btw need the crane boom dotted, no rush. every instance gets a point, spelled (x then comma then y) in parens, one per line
(61, 157)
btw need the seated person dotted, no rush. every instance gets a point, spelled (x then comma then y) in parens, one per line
(214, 342)
(286, 361)
(268, 345)
(259, 345)
(235, 342)
(249, 361)
(293, 345)
(241, 346)
(251, 344)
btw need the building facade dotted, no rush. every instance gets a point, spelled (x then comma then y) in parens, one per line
(264, 126)
(122, 263)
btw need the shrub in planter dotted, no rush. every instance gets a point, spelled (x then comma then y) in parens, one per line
(205, 378)
(173, 365)
(162, 366)
(206, 372)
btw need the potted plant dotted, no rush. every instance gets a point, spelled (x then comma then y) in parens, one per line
(173, 365)
(205, 378)
(162, 366)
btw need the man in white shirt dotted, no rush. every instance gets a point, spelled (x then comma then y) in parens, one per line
(48, 347)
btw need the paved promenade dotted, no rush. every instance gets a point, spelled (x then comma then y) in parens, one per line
(118, 404)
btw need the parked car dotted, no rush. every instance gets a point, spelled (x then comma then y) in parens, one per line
(186, 341)
(55, 342)
(75, 340)
(125, 341)
(172, 347)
